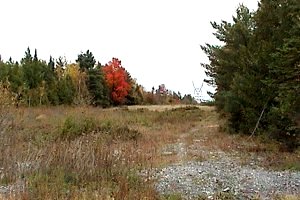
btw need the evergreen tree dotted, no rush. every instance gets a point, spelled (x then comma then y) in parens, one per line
(51, 82)
(34, 75)
(95, 79)
(35, 57)
(256, 71)
(28, 58)
(4, 71)
(86, 61)
(66, 90)
(231, 68)
(281, 49)
(15, 78)
(51, 64)
(97, 87)
(135, 94)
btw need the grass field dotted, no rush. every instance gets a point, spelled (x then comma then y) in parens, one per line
(93, 153)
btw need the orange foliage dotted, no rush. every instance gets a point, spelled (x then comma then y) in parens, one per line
(116, 80)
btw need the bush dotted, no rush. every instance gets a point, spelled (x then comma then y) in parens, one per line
(283, 129)
(119, 132)
(73, 128)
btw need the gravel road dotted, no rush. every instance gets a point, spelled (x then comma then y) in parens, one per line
(209, 177)
(219, 173)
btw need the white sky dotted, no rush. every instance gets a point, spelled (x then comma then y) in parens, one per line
(156, 40)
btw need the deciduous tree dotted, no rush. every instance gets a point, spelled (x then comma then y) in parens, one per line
(117, 81)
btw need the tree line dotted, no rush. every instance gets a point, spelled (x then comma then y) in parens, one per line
(256, 70)
(33, 82)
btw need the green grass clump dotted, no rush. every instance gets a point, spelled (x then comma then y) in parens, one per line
(179, 115)
(293, 166)
(56, 182)
(73, 128)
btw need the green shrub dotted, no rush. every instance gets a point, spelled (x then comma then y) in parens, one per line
(73, 128)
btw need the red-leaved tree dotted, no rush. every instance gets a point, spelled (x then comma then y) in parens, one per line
(116, 80)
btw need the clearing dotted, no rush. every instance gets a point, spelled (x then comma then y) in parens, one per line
(211, 165)
(137, 152)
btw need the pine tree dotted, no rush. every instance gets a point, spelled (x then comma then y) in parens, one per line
(257, 70)
(97, 87)
(86, 61)
(282, 48)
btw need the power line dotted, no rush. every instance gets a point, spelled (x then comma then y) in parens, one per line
(198, 92)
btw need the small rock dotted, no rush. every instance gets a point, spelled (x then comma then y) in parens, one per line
(41, 117)
(167, 153)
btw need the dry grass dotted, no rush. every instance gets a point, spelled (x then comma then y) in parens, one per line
(167, 107)
(86, 153)
(93, 153)
(288, 197)
(210, 134)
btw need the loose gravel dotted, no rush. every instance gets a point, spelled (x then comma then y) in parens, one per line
(193, 179)
(220, 173)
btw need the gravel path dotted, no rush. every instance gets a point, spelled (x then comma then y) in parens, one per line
(207, 178)
(219, 173)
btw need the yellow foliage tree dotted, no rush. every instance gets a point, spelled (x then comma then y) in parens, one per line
(79, 79)
(6, 96)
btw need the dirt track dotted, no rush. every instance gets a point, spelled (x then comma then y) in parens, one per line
(203, 169)
(166, 107)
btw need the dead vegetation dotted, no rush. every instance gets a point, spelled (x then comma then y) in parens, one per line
(85, 153)
(255, 149)
(91, 153)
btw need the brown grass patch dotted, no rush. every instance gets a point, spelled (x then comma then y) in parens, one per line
(87, 153)
(94, 153)
(210, 135)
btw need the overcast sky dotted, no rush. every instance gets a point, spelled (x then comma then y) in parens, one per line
(156, 40)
